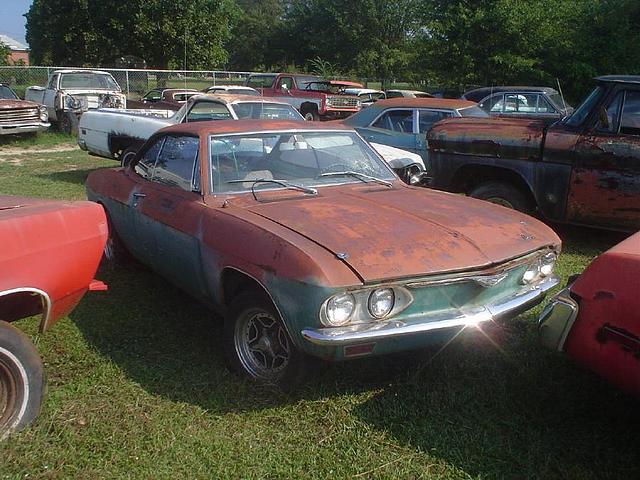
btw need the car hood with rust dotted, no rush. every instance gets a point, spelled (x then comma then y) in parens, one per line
(384, 233)
(6, 104)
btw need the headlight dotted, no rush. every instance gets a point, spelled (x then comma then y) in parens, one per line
(328, 102)
(542, 267)
(44, 115)
(73, 103)
(381, 302)
(339, 309)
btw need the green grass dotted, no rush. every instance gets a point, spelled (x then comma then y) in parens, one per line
(41, 140)
(137, 388)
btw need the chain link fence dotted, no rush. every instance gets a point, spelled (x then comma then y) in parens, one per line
(134, 82)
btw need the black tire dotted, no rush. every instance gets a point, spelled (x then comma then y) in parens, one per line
(114, 250)
(128, 154)
(311, 115)
(21, 380)
(502, 193)
(68, 123)
(248, 313)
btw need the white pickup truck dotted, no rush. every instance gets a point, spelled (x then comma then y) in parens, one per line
(114, 133)
(70, 93)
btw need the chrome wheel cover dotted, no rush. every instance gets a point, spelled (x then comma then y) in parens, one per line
(262, 345)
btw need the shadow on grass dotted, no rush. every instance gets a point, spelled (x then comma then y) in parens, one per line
(495, 405)
(78, 177)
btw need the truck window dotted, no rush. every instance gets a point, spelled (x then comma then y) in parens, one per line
(53, 82)
(396, 121)
(630, 120)
(176, 165)
(203, 111)
(285, 82)
(261, 81)
(582, 112)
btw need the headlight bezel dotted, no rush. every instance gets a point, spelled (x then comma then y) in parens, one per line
(540, 268)
(361, 312)
(43, 113)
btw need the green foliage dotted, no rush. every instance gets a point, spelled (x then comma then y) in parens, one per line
(4, 54)
(323, 68)
(80, 32)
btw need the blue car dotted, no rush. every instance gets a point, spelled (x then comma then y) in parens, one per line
(404, 122)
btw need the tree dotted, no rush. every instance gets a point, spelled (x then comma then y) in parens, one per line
(92, 32)
(5, 51)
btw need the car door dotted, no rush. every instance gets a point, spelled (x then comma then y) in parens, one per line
(395, 127)
(172, 211)
(605, 180)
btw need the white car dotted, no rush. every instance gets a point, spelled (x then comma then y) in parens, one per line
(232, 89)
(367, 95)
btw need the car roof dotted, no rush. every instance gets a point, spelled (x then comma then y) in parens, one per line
(402, 102)
(358, 91)
(478, 94)
(177, 90)
(221, 127)
(236, 98)
(232, 87)
(81, 70)
(619, 78)
(402, 90)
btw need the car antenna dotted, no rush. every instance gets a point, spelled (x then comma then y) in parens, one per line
(564, 105)
(185, 57)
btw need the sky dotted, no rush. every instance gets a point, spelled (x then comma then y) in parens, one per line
(11, 19)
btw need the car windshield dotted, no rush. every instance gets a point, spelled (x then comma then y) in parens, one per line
(266, 111)
(309, 82)
(98, 81)
(7, 94)
(580, 114)
(473, 111)
(301, 158)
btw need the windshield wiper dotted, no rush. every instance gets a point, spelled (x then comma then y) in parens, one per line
(360, 176)
(283, 183)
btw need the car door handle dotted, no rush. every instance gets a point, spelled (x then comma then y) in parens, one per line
(139, 195)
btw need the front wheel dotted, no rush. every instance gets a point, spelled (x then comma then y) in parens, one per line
(257, 344)
(68, 123)
(311, 116)
(21, 380)
(502, 193)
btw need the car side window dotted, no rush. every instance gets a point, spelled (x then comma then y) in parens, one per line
(145, 165)
(493, 104)
(608, 117)
(427, 118)
(53, 82)
(394, 94)
(630, 120)
(153, 96)
(396, 120)
(177, 163)
(544, 106)
(203, 111)
(285, 82)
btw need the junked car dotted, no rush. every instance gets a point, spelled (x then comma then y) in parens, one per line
(310, 246)
(20, 116)
(232, 90)
(163, 98)
(596, 319)
(69, 93)
(49, 256)
(404, 122)
(395, 93)
(366, 95)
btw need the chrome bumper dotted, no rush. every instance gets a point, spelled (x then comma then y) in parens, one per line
(556, 320)
(367, 332)
(31, 127)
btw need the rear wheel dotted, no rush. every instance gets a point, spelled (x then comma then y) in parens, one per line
(311, 116)
(257, 344)
(128, 154)
(502, 193)
(21, 380)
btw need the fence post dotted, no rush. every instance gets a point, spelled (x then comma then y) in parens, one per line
(214, 79)
(127, 74)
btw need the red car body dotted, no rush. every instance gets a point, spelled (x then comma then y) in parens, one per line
(596, 320)
(49, 256)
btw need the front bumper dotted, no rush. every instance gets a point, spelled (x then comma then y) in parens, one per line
(393, 329)
(557, 319)
(17, 129)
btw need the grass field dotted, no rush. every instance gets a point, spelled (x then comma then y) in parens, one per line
(137, 388)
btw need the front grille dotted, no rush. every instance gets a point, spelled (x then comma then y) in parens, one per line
(19, 116)
(343, 102)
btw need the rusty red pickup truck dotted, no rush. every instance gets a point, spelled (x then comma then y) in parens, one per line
(315, 98)
(49, 256)
(583, 169)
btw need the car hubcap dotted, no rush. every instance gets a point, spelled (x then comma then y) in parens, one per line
(501, 201)
(8, 395)
(262, 346)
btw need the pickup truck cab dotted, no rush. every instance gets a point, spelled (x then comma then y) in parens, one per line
(315, 98)
(70, 93)
(583, 169)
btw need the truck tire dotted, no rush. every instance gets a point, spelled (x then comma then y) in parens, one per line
(502, 193)
(21, 380)
(310, 113)
(68, 123)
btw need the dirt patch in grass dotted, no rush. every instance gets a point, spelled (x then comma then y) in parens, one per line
(13, 151)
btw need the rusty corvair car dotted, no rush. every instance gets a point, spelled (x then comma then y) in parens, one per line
(49, 256)
(306, 241)
(596, 320)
